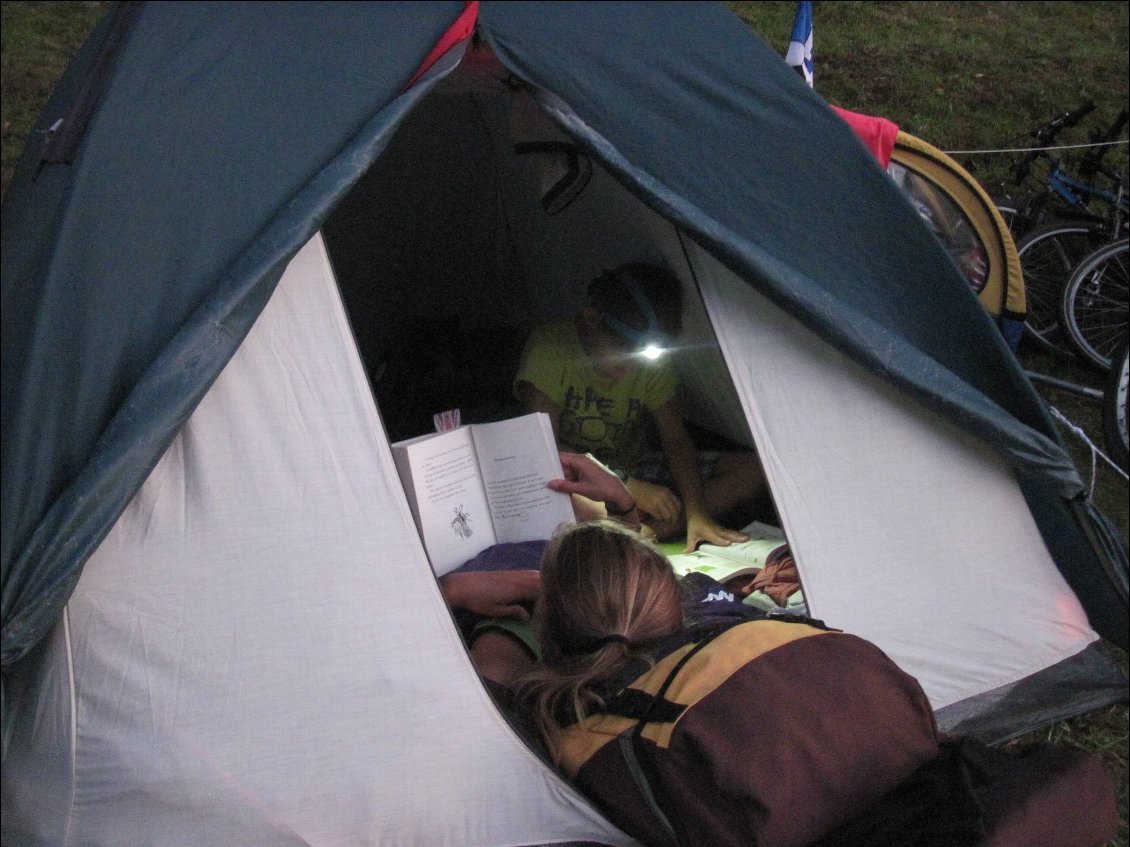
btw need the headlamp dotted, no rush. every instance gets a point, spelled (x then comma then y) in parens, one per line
(649, 342)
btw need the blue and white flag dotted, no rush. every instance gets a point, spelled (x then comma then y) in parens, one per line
(799, 55)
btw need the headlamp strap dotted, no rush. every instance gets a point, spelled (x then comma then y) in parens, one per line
(631, 333)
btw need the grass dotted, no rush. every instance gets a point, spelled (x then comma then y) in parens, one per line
(961, 75)
(37, 41)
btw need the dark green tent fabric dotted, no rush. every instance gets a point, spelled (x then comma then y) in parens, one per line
(227, 132)
(225, 135)
(719, 132)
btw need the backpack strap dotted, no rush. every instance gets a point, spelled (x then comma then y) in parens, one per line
(628, 749)
(638, 757)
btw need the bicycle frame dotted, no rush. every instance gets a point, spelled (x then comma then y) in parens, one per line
(1076, 192)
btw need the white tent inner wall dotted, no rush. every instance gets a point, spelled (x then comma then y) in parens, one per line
(259, 652)
(906, 531)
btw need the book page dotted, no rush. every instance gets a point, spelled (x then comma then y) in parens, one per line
(713, 566)
(743, 557)
(517, 459)
(449, 500)
(755, 551)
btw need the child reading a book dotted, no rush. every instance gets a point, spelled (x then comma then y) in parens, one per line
(493, 593)
(601, 375)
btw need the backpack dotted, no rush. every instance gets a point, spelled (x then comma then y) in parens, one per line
(761, 732)
(778, 732)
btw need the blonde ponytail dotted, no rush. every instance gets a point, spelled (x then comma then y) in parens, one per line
(606, 594)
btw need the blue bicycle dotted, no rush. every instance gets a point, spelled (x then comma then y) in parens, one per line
(1061, 193)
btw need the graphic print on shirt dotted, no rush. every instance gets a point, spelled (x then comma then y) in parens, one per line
(591, 421)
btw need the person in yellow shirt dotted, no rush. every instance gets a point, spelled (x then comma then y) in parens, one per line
(602, 378)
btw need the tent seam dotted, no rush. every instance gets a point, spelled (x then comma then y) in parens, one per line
(69, 650)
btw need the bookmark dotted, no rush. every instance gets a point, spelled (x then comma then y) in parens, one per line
(446, 421)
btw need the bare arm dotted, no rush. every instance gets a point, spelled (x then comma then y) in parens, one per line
(682, 459)
(492, 594)
(586, 477)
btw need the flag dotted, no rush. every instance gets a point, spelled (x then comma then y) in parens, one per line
(799, 55)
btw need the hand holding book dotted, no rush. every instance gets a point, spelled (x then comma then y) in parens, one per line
(482, 484)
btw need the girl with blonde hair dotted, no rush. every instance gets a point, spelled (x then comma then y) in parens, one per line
(690, 725)
(607, 595)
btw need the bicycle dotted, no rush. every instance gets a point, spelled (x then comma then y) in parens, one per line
(1065, 218)
(1048, 255)
(1059, 193)
(1095, 301)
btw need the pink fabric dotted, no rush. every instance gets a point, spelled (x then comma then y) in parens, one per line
(459, 31)
(878, 134)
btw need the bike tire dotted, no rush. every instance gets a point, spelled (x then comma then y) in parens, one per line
(1114, 406)
(1048, 255)
(1011, 214)
(1096, 305)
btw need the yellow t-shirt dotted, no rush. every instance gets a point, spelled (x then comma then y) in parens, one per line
(599, 415)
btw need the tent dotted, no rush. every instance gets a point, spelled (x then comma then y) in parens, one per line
(239, 228)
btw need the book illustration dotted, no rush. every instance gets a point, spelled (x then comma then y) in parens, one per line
(482, 484)
(462, 523)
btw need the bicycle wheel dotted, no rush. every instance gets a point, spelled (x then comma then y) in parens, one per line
(1010, 213)
(1114, 406)
(1048, 255)
(1096, 304)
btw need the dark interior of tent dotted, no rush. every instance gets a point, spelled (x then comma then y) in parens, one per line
(479, 221)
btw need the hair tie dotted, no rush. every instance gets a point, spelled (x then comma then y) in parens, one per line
(614, 638)
(595, 644)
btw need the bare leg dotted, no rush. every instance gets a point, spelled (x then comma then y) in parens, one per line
(738, 479)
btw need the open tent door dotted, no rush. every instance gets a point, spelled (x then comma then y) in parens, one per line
(874, 491)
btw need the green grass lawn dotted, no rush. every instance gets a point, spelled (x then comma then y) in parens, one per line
(964, 76)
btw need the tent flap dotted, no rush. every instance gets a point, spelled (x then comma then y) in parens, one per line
(93, 397)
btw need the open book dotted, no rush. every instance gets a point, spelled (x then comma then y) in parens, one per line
(746, 557)
(482, 484)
